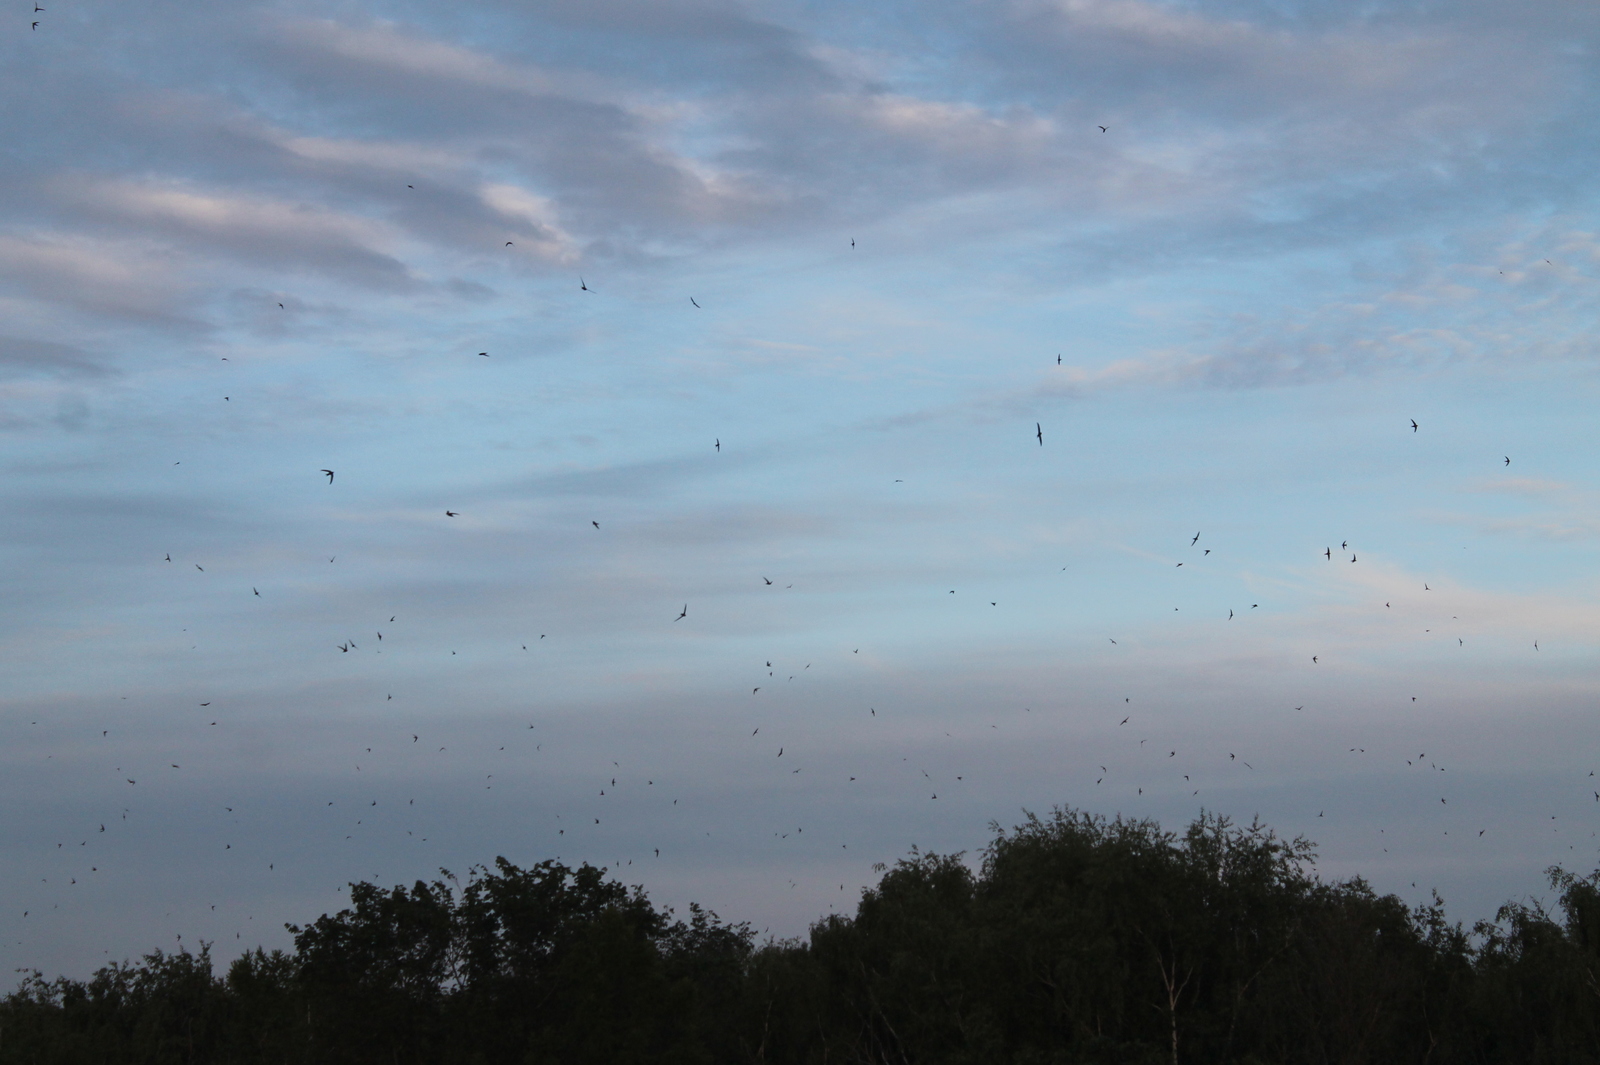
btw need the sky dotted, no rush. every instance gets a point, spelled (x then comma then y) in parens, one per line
(771, 436)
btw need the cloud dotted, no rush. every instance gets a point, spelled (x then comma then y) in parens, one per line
(24, 357)
(121, 278)
(274, 232)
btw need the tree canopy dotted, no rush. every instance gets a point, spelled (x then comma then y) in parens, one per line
(1072, 938)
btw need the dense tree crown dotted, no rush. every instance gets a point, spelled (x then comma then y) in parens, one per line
(1078, 939)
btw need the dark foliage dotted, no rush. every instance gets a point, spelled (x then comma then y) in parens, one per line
(1076, 940)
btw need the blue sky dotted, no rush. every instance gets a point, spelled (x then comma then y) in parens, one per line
(242, 245)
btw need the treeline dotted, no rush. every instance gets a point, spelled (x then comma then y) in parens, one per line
(1079, 940)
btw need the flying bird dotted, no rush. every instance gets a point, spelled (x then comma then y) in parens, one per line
(718, 444)
(330, 475)
(448, 514)
(1039, 432)
(1102, 129)
(1195, 540)
(684, 614)
(1508, 460)
(1413, 425)
(691, 300)
(582, 285)
(595, 524)
(767, 580)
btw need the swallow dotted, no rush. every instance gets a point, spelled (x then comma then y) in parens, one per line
(1328, 551)
(1038, 431)
(691, 300)
(1195, 540)
(718, 444)
(1508, 460)
(767, 580)
(595, 524)
(683, 615)
(448, 514)
(1102, 129)
(582, 285)
(485, 354)
(1413, 425)
(330, 475)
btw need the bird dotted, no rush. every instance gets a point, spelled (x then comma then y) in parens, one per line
(684, 614)
(595, 524)
(169, 556)
(330, 475)
(485, 354)
(1058, 360)
(718, 444)
(1038, 431)
(691, 300)
(1195, 540)
(1329, 552)
(1508, 460)
(1413, 425)
(1102, 129)
(767, 580)
(582, 285)
(508, 244)
(452, 513)
(36, 26)
(254, 590)
(1124, 721)
(1313, 659)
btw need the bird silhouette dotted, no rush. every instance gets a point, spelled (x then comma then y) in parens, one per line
(330, 475)
(691, 300)
(1038, 431)
(684, 614)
